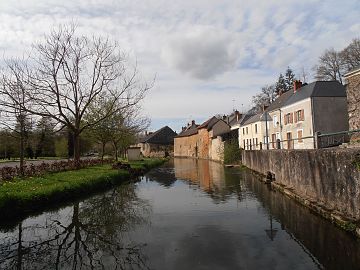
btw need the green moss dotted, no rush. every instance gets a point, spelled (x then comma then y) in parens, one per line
(27, 195)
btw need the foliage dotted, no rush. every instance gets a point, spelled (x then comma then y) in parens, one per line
(232, 151)
(9, 173)
(20, 196)
(61, 147)
(264, 98)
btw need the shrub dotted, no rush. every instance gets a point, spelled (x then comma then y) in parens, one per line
(232, 152)
(9, 173)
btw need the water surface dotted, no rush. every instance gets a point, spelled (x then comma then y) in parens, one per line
(187, 214)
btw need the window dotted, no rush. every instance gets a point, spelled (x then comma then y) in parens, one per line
(247, 130)
(300, 135)
(256, 141)
(288, 118)
(299, 116)
(255, 128)
(275, 121)
(244, 144)
(243, 131)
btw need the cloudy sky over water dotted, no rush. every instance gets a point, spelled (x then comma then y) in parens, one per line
(209, 56)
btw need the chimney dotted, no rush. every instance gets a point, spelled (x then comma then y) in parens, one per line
(264, 107)
(297, 85)
(193, 122)
(183, 128)
(238, 115)
(281, 92)
(224, 117)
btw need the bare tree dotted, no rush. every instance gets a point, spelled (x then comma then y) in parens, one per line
(14, 103)
(67, 73)
(265, 97)
(351, 55)
(330, 67)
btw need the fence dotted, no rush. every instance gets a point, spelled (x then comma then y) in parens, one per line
(316, 141)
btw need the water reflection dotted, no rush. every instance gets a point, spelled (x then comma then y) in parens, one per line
(188, 214)
(88, 235)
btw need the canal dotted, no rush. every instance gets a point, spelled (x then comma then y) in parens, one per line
(186, 214)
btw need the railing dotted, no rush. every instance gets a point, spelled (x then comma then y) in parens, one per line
(317, 141)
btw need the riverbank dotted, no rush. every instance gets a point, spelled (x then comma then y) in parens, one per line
(326, 181)
(21, 197)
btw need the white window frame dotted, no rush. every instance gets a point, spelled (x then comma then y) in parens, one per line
(275, 121)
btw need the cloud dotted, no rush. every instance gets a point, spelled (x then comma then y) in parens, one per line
(205, 53)
(202, 53)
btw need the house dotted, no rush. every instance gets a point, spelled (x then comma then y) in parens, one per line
(320, 106)
(252, 132)
(296, 116)
(352, 79)
(203, 141)
(159, 143)
(185, 143)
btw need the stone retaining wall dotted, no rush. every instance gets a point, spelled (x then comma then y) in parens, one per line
(328, 177)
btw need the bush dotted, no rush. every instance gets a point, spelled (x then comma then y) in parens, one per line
(9, 173)
(232, 152)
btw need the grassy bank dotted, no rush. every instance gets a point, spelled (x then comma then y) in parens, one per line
(24, 196)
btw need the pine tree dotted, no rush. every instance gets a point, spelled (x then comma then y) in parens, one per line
(281, 85)
(289, 79)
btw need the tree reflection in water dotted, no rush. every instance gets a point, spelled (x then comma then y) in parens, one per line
(88, 235)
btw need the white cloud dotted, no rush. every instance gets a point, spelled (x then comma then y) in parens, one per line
(233, 47)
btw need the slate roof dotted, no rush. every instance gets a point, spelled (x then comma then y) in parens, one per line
(164, 135)
(208, 124)
(317, 89)
(279, 102)
(189, 131)
(256, 118)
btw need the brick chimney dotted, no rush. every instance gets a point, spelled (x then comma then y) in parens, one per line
(193, 122)
(238, 115)
(297, 85)
(264, 107)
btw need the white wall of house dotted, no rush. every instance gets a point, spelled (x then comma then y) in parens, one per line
(298, 128)
(251, 135)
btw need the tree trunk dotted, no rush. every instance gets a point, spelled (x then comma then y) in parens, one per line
(22, 143)
(103, 151)
(116, 151)
(77, 149)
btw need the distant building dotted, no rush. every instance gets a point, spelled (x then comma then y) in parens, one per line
(353, 98)
(205, 141)
(159, 143)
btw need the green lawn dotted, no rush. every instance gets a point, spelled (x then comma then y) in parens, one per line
(21, 196)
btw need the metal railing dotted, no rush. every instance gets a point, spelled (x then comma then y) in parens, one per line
(319, 140)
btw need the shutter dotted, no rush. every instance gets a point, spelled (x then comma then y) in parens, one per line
(291, 118)
(295, 116)
(302, 115)
(285, 119)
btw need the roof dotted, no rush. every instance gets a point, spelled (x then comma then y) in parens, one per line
(189, 131)
(208, 124)
(278, 103)
(317, 89)
(255, 118)
(164, 135)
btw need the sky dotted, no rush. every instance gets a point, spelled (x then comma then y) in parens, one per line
(208, 56)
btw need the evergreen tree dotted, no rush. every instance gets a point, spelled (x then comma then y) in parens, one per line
(289, 79)
(281, 85)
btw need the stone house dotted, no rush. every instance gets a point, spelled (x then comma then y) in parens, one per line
(159, 143)
(202, 141)
(186, 142)
(352, 79)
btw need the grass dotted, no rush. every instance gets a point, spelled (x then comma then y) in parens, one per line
(24, 196)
